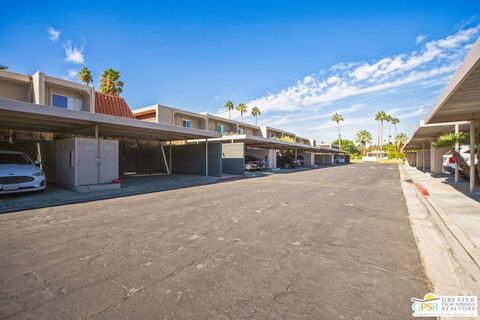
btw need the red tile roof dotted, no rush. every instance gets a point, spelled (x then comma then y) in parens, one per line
(112, 105)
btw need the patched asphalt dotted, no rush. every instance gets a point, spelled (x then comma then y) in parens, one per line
(331, 243)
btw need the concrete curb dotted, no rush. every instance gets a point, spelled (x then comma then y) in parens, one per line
(451, 226)
(448, 227)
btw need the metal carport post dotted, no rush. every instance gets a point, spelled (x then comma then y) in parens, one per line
(457, 148)
(472, 157)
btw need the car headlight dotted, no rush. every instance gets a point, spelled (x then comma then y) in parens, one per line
(39, 174)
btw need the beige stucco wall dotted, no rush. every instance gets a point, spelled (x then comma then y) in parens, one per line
(70, 92)
(153, 119)
(229, 127)
(247, 130)
(15, 90)
(165, 115)
(196, 123)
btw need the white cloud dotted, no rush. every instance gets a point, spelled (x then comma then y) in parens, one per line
(437, 58)
(404, 85)
(420, 38)
(73, 54)
(53, 34)
(71, 74)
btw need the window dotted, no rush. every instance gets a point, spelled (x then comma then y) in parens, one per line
(220, 128)
(61, 101)
(186, 123)
(240, 131)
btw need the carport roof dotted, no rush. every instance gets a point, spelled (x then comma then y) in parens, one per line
(28, 116)
(460, 99)
(261, 142)
(426, 133)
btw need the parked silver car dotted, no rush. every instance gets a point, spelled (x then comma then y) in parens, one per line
(18, 173)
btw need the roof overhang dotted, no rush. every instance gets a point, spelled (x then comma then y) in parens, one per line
(28, 116)
(427, 133)
(460, 99)
(266, 143)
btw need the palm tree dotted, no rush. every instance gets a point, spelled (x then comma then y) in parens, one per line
(255, 112)
(110, 83)
(389, 120)
(337, 117)
(229, 106)
(242, 108)
(380, 117)
(363, 137)
(395, 121)
(400, 140)
(85, 76)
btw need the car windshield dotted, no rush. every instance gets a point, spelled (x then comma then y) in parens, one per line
(13, 158)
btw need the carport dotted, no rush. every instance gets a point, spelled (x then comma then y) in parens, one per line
(421, 152)
(235, 147)
(49, 124)
(460, 101)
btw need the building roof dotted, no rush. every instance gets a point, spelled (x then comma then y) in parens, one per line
(19, 115)
(427, 133)
(459, 99)
(112, 105)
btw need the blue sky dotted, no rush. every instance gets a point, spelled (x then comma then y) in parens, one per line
(300, 61)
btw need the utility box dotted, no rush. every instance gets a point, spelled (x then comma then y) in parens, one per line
(86, 161)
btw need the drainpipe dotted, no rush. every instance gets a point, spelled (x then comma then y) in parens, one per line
(457, 148)
(472, 156)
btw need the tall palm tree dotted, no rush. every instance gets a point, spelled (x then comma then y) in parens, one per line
(389, 120)
(363, 137)
(337, 117)
(229, 106)
(255, 112)
(395, 121)
(380, 117)
(85, 76)
(110, 83)
(400, 140)
(242, 108)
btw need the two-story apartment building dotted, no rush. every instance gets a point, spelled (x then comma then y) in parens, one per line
(39, 113)
(239, 139)
(45, 90)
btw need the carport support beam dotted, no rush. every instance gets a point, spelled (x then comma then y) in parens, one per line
(206, 157)
(165, 160)
(457, 148)
(170, 156)
(423, 157)
(472, 157)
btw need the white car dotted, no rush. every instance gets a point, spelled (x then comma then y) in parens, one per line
(448, 163)
(18, 173)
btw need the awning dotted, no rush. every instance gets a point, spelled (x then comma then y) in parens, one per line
(20, 115)
(460, 99)
(261, 142)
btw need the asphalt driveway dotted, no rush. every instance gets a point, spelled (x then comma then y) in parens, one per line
(333, 243)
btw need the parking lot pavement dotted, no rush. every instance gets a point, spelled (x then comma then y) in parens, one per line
(334, 243)
(55, 195)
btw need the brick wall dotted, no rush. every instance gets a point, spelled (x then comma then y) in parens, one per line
(233, 158)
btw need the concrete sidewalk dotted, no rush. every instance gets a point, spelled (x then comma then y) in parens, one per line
(459, 211)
